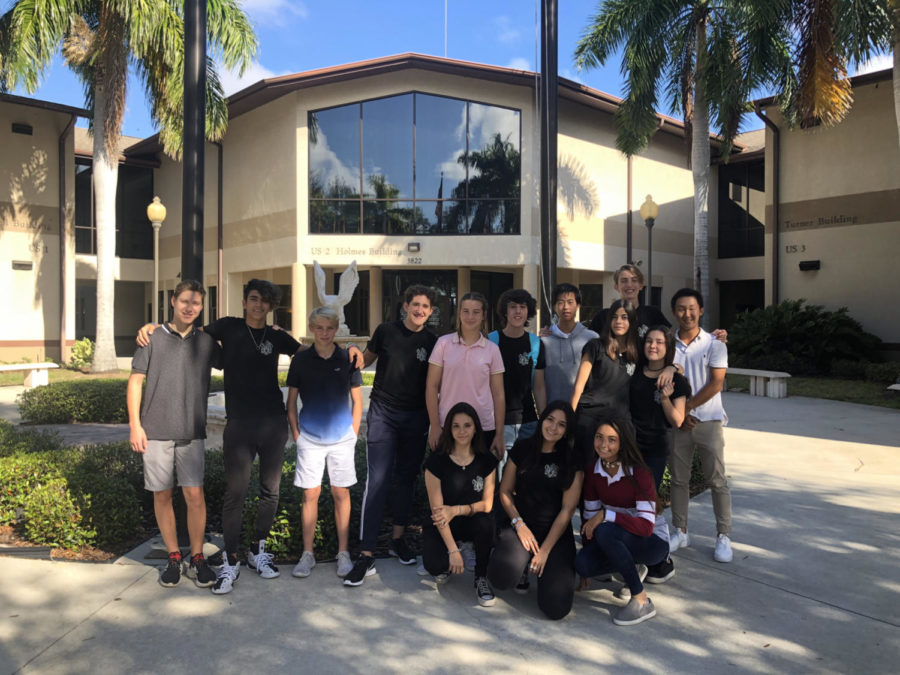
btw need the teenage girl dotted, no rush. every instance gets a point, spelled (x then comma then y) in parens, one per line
(466, 366)
(460, 476)
(540, 490)
(619, 517)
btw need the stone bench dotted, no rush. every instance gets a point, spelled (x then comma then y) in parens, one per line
(771, 383)
(36, 374)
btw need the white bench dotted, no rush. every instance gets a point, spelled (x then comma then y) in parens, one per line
(771, 383)
(36, 374)
(894, 387)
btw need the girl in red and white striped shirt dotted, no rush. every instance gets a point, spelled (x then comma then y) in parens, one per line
(619, 516)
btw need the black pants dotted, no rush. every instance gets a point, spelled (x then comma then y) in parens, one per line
(479, 529)
(242, 441)
(556, 586)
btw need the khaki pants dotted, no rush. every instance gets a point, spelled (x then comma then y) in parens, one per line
(710, 443)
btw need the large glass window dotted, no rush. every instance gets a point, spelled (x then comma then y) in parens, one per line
(415, 164)
(742, 209)
(134, 234)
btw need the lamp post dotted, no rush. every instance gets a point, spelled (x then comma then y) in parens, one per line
(649, 211)
(156, 213)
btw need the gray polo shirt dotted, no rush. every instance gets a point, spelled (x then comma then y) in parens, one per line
(173, 407)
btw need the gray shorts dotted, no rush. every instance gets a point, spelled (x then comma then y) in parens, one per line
(163, 458)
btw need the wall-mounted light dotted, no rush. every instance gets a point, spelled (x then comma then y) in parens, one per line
(810, 265)
(414, 247)
(24, 265)
(25, 129)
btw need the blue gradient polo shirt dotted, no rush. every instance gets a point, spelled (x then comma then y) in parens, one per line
(323, 386)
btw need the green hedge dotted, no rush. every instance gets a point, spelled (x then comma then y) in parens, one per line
(99, 401)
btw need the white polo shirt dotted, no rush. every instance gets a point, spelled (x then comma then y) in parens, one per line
(697, 357)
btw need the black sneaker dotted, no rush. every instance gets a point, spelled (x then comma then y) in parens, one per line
(401, 551)
(661, 572)
(483, 592)
(523, 585)
(362, 568)
(172, 574)
(200, 571)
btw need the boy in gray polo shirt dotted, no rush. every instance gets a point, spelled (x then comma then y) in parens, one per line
(168, 425)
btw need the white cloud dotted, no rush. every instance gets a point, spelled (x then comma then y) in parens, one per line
(571, 75)
(506, 32)
(275, 12)
(232, 83)
(880, 62)
(332, 171)
(519, 63)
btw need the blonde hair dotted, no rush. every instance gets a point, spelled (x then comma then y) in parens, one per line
(324, 313)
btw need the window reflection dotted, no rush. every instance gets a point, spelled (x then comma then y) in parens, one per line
(429, 165)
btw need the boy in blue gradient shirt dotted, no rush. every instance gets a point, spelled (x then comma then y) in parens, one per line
(325, 432)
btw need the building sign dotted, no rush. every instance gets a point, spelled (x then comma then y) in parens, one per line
(819, 221)
(865, 208)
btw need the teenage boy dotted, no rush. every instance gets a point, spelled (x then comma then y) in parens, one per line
(396, 427)
(705, 361)
(325, 432)
(524, 361)
(255, 424)
(628, 281)
(563, 343)
(168, 425)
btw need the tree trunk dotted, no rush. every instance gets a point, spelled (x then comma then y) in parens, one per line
(106, 177)
(896, 75)
(700, 170)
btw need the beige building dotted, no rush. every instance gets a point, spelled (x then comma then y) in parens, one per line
(423, 169)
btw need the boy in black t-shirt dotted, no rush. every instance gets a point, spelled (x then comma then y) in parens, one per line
(396, 426)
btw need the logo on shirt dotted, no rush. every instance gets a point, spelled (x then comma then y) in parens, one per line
(478, 483)
(265, 348)
(551, 470)
(421, 354)
(629, 368)
(524, 359)
(642, 331)
(657, 397)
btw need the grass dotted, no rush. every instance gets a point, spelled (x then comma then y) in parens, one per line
(60, 374)
(833, 388)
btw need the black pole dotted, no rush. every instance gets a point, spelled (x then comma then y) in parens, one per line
(628, 257)
(648, 295)
(194, 139)
(549, 124)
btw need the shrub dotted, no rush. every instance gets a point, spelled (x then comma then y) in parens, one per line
(82, 354)
(799, 338)
(849, 370)
(98, 401)
(13, 440)
(20, 475)
(883, 372)
(53, 518)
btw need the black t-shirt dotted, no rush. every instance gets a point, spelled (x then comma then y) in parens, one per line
(607, 387)
(250, 360)
(461, 484)
(517, 361)
(650, 423)
(646, 315)
(539, 491)
(402, 365)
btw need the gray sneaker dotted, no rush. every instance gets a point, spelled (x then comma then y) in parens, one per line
(625, 592)
(303, 568)
(634, 613)
(344, 564)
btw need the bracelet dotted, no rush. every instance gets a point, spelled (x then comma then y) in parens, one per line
(456, 550)
(519, 525)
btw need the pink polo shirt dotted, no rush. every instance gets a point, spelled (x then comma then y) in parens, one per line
(466, 375)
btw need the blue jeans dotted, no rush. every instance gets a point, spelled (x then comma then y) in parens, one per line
(615, 549)
(395, 447)
(511, 434)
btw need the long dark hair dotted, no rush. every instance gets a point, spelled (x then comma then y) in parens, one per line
(669, 358)
(629, 454)
(627, 345)
(446, 443)
(564, 445)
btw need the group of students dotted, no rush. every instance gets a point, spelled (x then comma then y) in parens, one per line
(523, 431)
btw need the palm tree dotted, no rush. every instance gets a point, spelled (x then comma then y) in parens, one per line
(705, 57)
(100, 39)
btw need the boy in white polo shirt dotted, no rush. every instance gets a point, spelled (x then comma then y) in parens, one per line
(705, 361)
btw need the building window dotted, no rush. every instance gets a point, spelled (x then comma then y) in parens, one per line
(491, 285)
(415, 164)
(395, 282)
(591, 301)
(741, 209)
(134, 234)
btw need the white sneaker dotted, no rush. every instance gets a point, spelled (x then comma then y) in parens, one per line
(226, 576)
(344, 564)
(467, 551)
(678, 539)
(305, 565)
(723, 549)
(262, 562)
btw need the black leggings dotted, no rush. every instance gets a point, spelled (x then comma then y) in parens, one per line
(556, 586)
(242, 440)
(479, 529)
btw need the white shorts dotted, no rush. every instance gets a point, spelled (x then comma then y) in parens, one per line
(312, 457)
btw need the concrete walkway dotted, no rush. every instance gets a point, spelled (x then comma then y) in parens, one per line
(813, 587)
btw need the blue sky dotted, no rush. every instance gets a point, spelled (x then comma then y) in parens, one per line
(298, 35)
